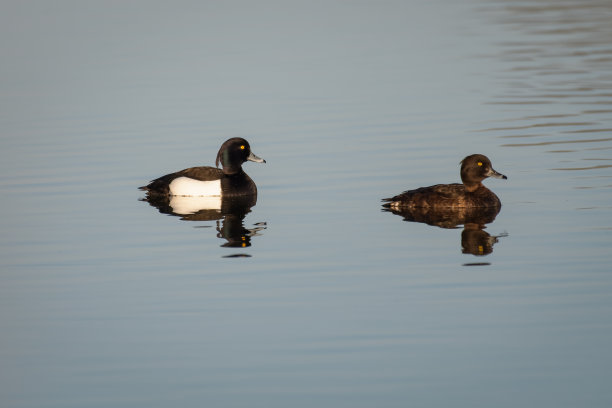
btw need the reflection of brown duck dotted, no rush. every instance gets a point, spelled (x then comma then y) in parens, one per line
(447, 217)
(464, 199)
(449, 205)
(476, 241)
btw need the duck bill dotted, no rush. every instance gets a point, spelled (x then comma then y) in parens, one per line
(494, 174)
(254, 158)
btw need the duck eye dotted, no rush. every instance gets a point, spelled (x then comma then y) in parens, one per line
(480, 163)
(241, 147)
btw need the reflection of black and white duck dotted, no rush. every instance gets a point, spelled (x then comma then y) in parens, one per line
(208, 193)
(232, 229)
(230, 181)
(202, 208)
(470, 194)
(228, 212)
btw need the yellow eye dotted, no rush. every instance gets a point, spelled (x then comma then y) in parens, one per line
(480, 163)
(241, 147)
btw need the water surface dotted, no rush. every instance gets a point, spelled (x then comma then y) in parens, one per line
(315, 296)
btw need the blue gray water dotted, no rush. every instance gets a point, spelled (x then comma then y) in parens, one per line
(325, 300)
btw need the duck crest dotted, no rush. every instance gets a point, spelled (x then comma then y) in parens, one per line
(231, 180)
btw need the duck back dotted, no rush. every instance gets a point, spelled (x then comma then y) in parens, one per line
(444, 196)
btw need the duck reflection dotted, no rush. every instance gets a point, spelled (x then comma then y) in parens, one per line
(228, 213)
(474, 239)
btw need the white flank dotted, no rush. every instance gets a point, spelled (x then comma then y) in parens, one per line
(184, 205)
(185, 186)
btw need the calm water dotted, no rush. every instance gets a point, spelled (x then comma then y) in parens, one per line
(315, 297)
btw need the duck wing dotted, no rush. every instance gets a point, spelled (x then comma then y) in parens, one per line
(204, 173)
(439, 195)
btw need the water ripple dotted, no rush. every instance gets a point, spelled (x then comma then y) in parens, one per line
(558, 142)
(555, 64)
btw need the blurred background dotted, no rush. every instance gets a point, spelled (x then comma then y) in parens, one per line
(314, 296)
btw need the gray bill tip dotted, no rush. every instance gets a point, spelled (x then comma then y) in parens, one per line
(254, 158)
(493, 173)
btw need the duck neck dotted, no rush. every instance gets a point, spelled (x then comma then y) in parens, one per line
(472, 186)
(232, 170)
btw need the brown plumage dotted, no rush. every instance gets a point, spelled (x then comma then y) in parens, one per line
(453, 197)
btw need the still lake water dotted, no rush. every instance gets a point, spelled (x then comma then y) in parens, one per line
(330, 302)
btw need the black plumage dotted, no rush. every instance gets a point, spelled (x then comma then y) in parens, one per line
(233, 180)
